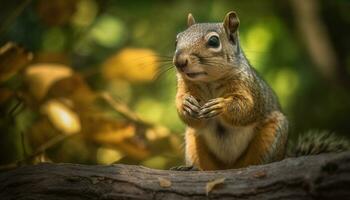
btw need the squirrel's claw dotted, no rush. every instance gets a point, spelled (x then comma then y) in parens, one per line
(191, 106)
(212, 108)
(184, 168)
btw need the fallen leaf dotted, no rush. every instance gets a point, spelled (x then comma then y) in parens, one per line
(212, 184)
(259, 174)
(164, 183)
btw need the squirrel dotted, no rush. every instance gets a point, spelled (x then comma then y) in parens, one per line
(233, 117)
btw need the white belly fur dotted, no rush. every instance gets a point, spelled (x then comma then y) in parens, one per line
(229, 147)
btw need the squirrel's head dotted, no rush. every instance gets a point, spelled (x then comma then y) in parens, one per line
(208, 51)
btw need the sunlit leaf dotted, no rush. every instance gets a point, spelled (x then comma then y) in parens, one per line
(85, 13)
(134, 149)
(108, 156)
(109, 31)
(150, 109)
(157, 162)
(41, 76)
(157, 132)
(12, 59)
(109, 131)
(54, 40)
(62, 117)
(120, 88)
(135, 65)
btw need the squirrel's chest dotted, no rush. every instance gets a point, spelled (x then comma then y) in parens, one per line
(226, 142)
(210, 91)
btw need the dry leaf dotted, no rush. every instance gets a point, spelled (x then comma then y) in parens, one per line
(52, 57)
(260, 174)
(56, 12)
(76, 89)
(112, 131)
(115, 133)
(164, 183)
(40, 132)
(212, 184)
(12, 59)
(5, 94)
(40, 77)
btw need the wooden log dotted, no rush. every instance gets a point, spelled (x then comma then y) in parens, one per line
(324, 176)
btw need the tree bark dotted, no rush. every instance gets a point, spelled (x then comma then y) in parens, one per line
(324, 176)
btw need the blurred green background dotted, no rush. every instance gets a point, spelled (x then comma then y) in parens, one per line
(124, 48)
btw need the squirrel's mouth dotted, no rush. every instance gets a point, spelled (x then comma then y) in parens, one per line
(195, 74)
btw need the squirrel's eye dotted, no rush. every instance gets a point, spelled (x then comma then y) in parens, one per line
(214, 41)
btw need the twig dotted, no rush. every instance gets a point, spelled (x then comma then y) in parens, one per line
(49, 144)
(124, 110)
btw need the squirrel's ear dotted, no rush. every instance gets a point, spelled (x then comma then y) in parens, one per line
(231, 23)
(190, 20)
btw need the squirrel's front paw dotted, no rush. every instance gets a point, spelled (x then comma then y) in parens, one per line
(212, 108)
(184, 168)
(191, 106)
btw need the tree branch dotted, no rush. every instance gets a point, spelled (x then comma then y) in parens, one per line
(324, 176)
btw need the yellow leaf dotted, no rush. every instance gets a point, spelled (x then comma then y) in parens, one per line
(62, 117)
(164, 183)
(157, 132)
(212, 184)
(40, 77)
(155, 162)
(135, 65)
(108, 156)
(85, 14)
(111, 132)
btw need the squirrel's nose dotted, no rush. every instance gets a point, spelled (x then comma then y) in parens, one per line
(181, 59)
